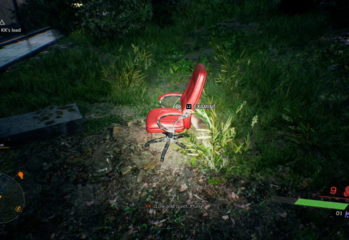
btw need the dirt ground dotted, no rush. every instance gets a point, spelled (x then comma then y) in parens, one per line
(109, 186)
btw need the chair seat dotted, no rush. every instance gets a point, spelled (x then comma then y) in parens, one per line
(153, 115)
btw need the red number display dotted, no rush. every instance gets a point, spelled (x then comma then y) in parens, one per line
(346, 192)
(333, 190)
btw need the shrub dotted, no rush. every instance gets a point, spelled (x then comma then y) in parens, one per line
(126, 75)
(221, 149)
(113, 18)
(163, 11)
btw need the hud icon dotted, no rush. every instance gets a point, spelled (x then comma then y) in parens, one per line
(346, 191)
(346, 214)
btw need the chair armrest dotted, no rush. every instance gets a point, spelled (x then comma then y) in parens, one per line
(161, 116)
(174, 94)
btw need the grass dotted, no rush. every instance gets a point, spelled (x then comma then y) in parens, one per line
(60, 77)
(278, 69)
(93, 126)
(221, 149)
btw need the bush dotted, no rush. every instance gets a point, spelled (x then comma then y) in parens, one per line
(113, 18)
(126, 75)
(163, 11)
(220, 149)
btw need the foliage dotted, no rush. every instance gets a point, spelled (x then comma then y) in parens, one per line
(79, 74)
(279, 84)
(127, 72)
(113, 18)
(198, 13)
(163, 11)
(295, 81)
(93, 126)
(221, 149)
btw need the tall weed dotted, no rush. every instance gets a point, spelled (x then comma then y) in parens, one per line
(126, 75)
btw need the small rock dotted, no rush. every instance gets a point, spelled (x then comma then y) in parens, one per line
(151, 165)
(126, 170)
(152, 211)
(158, 223)
(183, 187)
(89, 203)
(140, 176)
(233, 195)
(117, 150)
(283, 214)
(225, 217)
(243, 206)
(129, 123)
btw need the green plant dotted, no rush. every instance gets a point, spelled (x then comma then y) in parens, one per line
(113, 18)
(92, 126)
(126, 75)
(221, 148)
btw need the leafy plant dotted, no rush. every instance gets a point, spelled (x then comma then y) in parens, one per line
(126, 75)
(113, 18)
(221, 148)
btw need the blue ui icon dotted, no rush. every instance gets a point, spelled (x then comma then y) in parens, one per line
(346, 214)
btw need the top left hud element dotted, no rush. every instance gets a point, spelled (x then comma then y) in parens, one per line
(9, 18)
(4, 28)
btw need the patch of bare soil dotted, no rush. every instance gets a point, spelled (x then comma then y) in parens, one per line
(108, 186)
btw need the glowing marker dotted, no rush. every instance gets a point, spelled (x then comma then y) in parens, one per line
(20, 174)
(18, 209)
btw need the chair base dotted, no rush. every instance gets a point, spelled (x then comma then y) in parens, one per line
(170, 137)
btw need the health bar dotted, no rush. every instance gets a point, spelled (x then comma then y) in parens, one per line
(321, 204)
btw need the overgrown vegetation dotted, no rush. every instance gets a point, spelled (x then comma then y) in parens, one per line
(277, 65)
(112, 19)
(285, 69)
(219, 148)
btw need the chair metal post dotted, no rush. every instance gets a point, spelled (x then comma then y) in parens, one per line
(170, 137)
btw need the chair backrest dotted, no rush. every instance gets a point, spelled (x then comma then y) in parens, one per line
(192, 93)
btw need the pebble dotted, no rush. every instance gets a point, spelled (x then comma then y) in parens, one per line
(126, 170)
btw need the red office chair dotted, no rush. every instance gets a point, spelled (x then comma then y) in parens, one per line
(171, 120)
